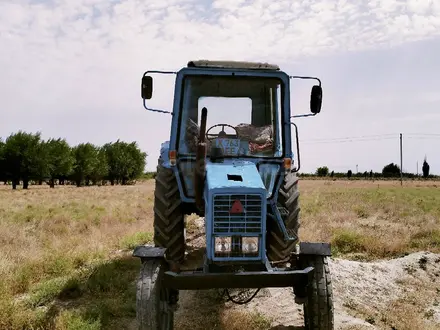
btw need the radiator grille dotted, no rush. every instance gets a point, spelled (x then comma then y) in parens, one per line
(247, 222)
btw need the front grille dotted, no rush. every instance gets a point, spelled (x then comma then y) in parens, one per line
(249, 221)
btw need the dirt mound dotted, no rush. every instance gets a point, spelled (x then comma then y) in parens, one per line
(364, 292)
(367, 295)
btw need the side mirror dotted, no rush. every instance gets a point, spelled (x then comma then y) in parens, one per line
(147, 87)
(316, 99)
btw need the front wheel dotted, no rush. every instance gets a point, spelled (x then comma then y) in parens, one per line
(318, 307)
(154, 303)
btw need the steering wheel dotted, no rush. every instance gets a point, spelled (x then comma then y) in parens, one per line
(222, 133)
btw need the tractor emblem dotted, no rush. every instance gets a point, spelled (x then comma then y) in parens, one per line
(237, 207)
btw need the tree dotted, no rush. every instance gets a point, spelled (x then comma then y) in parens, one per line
(322, 171)
(3, 176)
(24, 158)
(60, 160)
(84, 155)
(138, 161)
(349, 174)
(100, 167)
(332, 174)
(425, 169)
(391, 170)
(125, 161)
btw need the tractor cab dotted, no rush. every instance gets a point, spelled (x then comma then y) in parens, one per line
(244, 116)
(229, 159)
(248, 118)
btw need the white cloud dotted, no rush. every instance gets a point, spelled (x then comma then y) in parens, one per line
(85, 57)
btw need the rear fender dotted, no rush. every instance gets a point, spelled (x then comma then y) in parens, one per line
(149, 252)
(316, 249)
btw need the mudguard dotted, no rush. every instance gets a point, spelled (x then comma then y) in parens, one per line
(317, 249)
(149, 252)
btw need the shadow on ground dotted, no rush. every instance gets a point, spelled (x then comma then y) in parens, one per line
(106, 299)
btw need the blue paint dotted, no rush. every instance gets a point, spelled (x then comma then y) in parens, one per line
(268, 173)
(217, 176)
(285, 95)
(217, 184)
(186, 183)
(263, 182)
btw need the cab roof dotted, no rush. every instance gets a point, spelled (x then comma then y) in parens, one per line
(233, 65)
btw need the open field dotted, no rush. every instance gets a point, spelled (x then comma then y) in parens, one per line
(65, 258)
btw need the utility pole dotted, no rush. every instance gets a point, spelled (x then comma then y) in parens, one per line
(417, 168)
(357, 169)
(401, 161)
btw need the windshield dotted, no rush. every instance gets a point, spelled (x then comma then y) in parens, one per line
(244, 116)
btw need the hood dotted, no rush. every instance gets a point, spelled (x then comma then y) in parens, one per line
(237, 174)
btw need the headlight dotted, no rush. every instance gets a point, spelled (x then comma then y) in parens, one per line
(249, 244)
(222, 244)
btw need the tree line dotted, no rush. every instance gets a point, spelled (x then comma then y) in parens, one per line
(26, 157)
(389, 171)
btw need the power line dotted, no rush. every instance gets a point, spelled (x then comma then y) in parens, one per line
(348, 141)
(424, 134)
(376, 137)
(352, 137)
(423, 138)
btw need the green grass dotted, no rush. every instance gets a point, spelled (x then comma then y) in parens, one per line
(131, 241)
(427, 238)
(98, 297)
(346, 241)
(73, 320)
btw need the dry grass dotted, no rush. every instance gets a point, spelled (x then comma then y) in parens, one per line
(59, 269)
(53, 242)
(370, 220)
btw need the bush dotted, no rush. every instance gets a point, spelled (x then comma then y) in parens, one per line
(322, 171)
(391, 170)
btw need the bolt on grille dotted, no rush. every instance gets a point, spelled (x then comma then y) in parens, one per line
(247, 222)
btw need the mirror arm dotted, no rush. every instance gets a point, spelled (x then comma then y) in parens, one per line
(156, 110)
(160, 72)
(307, 115)
(303, 77)
(297, 147)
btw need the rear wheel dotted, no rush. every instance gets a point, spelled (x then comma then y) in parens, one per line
(169, 223)
(318, 306)
(154, 303)
(278, 249)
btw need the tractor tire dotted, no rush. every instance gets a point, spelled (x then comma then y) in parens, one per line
(318, 307)
(169, 216)
(153, 311)
(278, 249)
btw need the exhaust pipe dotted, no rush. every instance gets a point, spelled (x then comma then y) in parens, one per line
(200, 168)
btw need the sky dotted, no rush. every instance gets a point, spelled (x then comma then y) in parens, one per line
(72, 69)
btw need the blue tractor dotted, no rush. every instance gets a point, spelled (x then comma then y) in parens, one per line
(229, 159)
